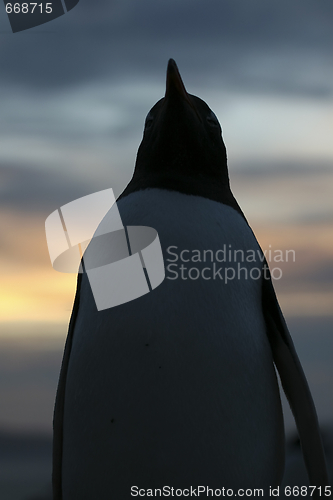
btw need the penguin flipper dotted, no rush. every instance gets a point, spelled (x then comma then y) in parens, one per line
(60, 400)
(294, 385)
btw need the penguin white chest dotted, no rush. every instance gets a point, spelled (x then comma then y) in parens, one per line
(177, 387)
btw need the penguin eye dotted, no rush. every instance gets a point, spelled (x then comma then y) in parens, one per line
(149, 121)
(212, 120)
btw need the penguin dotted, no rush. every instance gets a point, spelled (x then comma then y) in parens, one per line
(176, 392)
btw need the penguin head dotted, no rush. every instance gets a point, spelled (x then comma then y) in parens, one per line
(182, 137)
(182, 147)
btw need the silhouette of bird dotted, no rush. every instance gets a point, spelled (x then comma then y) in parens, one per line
(178, 387)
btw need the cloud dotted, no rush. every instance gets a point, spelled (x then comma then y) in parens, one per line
(260, 46)
(74, 92)
(286, 194)
(94, 130)
(30, 190)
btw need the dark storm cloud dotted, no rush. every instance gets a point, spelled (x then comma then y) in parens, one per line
(283, 46)
(29, 190)
(281, 168)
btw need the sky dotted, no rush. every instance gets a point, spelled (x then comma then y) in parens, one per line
(74, 94)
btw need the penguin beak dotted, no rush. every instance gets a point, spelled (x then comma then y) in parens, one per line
(174, 82)
(176, 87)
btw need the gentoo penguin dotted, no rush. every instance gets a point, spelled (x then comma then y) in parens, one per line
(177, 389)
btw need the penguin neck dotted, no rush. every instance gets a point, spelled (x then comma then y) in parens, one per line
(199, 185)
